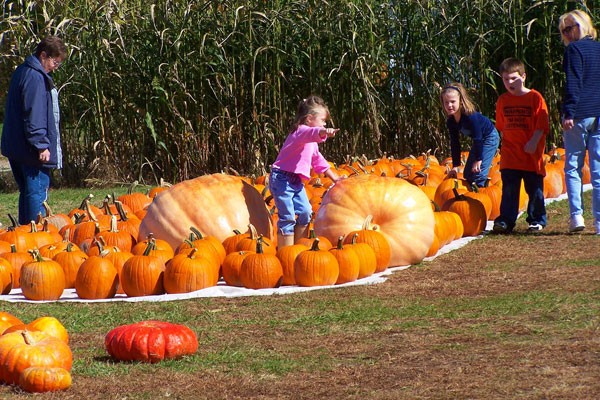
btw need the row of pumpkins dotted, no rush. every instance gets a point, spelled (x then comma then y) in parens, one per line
(185, 237)
(36, 356)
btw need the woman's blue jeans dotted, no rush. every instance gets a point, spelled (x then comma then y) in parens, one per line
(490, 148)
(290, 199)
(585, 135)
(33, 183)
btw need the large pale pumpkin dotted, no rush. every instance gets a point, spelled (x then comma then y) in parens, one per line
(214, 204)
(400, 211)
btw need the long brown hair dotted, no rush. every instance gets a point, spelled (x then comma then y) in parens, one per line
(467, 106)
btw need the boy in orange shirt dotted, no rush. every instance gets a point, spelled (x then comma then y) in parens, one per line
(522, 120)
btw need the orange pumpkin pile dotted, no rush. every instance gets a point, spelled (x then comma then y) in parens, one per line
(187, 236)
(35, 356)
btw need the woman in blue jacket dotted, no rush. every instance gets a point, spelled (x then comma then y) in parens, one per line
(581, 112)
(31, 136)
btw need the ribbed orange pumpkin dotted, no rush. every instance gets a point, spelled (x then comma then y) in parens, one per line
(118, 258)
(114, 237)
(70, 260)
(232, 266)
(287, 255)
(316, 267)
(17, 259)
(471, 212)
(186, 273)
(97, 278)
(348, 262)
(206, 245)
(324, 243)
(44, 379)
(401, 211)
(250, 240)
(150, 341)
(371, 236)
(142, 275)
(215, 204)
(160, 248)
(42, 279)
(366, 257)
(6, 276)
(24, 349)
(261, 270)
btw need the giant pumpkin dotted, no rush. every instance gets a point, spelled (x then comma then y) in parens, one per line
(399, 210)
(214, 204)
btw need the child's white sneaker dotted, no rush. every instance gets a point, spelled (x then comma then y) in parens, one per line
(577, 223)
(597, 226)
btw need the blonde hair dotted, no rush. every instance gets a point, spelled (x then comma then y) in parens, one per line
(308, 106)
(467, 106)
(582, 19)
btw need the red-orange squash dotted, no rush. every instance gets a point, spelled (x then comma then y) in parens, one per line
(150, 341)
(214, 204)
(400, 211)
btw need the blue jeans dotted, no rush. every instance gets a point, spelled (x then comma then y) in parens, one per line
(490, 147)
(585, 135)
(33, 183)
(511, 189)
(290, 199)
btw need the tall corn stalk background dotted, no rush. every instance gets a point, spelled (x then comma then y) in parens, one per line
(173, 89)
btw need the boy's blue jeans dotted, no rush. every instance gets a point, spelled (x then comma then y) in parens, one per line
(33, 183)
(585, 135)
(490, 147)
(511, 189)
(290, 199)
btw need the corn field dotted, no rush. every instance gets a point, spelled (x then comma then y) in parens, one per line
(176, 89)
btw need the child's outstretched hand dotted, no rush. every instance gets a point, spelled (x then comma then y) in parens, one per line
(330, 132)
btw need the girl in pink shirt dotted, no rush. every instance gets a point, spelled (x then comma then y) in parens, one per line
(299, 153)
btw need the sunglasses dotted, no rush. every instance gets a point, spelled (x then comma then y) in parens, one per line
(567, 29)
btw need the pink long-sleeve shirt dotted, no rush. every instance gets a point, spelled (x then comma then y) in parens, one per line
(300, 152)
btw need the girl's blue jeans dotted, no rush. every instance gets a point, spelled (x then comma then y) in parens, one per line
(585, 135)
(33, 183)
(511, 190)
(290, 199)
(490, 147)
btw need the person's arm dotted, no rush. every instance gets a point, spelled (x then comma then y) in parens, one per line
(532, 143)
(572, 65)
(328, 132)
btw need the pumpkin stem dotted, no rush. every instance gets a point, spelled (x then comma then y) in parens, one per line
(150, 247)
(27, 338)
(367, 224)
(121, 211)
(35, 253)
(196, 232)
(315, 245)
(340, 243)
(252, 231)
(259, 245)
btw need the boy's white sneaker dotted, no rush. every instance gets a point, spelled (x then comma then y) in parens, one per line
(597, 226)
(577, 223)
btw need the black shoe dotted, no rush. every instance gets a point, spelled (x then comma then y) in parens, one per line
(500, 227)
